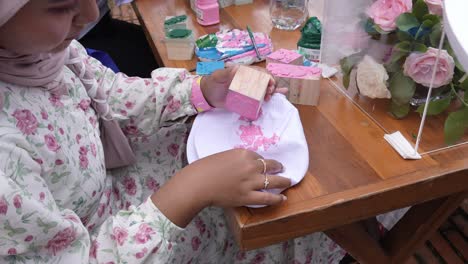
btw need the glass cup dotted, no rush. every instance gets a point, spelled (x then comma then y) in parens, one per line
(288, 14)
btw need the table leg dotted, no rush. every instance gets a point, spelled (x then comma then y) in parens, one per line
(418, 224)
(359, 243)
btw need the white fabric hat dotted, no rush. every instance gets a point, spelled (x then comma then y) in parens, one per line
(276, 134)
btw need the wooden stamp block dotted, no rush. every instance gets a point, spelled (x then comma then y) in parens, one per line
(303, 82)
(180, 44)
(246, 92)
(286, 57)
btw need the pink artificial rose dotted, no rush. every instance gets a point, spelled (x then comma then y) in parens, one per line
(83, 150)
(25, 121)
(418, 66)
(29, 238)
(3, 206)
(61, 240)
(384, 13)
(144, 234)
(120, 235)
(51, 143)
(12, 251)
(435, 6)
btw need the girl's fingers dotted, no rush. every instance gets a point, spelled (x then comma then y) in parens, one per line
(264, 198)
(274, 182)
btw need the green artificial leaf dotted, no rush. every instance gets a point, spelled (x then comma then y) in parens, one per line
(464, 84)
(404, 36)
(435, 35)
(419, 47)
(434, 18)
(428, 24)
(436, 107)
(347, 64)
(370, 27)
(402, 88)
(399, 110)
(420, 9)
(404, 46)
(455, 125)
(407, 21)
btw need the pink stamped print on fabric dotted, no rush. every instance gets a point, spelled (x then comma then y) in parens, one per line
(253, 139)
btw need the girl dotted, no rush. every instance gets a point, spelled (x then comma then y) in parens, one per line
(91, 162)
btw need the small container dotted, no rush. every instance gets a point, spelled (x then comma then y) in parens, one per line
(311, 37)
(180, 44)
(207, 12)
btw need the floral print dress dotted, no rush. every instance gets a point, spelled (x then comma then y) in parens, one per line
(58, 204)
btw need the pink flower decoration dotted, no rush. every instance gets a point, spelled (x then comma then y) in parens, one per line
(78, 138)
(435, 6)
(61, 240)
(418, 66)
(25, 121)
(84, 162)
(129, 105)
(51, 143)
(152, 184)
(58, 162)
(50, 127)
(130, 130)
(83, 150)
(44, 115)
(93, 149)
(144, 234)
(384, 13)
(196, 243)
(93, 250)
(41, 196)
(101, 209)
(130, 186)
(173, 149)
(84, 104)
(173, 106)
(12, 251)
(17, 201)
(55, 100)
(29, 238)
(120, 235)
(3, 206)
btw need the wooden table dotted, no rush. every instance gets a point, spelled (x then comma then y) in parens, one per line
(353, 174)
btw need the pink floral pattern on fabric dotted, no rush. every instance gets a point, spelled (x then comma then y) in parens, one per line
(58, 203)
(253, 139)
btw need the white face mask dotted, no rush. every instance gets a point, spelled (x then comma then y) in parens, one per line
(276, 134)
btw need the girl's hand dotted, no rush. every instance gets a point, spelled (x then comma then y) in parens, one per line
(215, 86)
(227, 179)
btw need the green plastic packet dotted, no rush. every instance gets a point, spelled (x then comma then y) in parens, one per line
(208, 41)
